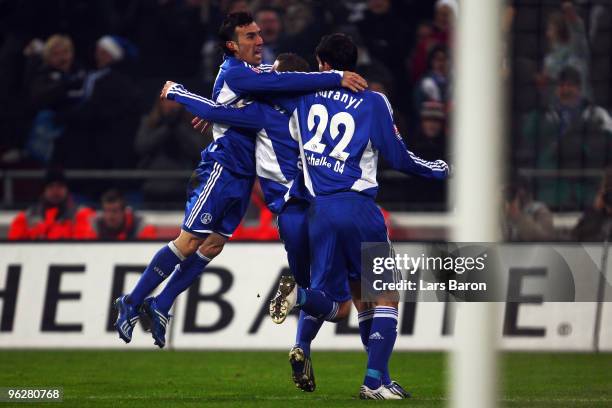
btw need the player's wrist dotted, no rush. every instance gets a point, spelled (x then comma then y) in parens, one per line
(173, 91)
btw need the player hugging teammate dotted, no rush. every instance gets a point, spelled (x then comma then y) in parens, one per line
(263, 118)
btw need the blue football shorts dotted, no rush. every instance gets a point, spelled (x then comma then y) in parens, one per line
(293, 231)
(338, 226)
(217, 200)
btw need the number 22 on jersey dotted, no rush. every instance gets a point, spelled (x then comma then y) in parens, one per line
(340, 118)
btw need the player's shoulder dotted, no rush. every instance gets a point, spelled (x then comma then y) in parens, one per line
(376, 97)
(379, 100)
(240, 68)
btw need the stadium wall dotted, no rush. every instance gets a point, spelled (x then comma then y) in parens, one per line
(59, 296)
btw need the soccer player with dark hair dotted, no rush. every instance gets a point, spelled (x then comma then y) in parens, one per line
(280, 179)
(334, 299)
(341, 134)
(220, 187)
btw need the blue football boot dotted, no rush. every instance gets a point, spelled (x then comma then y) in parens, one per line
(127, 316)
(159, 321)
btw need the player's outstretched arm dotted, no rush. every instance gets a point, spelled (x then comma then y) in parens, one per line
(247, 80)
(389, 142)
(249, 116)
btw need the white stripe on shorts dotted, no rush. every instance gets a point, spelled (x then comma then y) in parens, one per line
(214, 175)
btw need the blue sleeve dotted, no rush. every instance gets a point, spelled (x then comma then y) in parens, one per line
(249, 116)
(387, 139)
(288, 102)
(246, 80)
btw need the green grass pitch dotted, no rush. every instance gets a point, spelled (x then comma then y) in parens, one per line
(210, 379)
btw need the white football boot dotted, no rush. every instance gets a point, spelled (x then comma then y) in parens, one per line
(285, 299)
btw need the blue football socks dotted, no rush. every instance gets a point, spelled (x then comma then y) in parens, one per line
(308, 327)
(160, 267)
(315, 303)
(181, 279)
(365, 327)
(380, 344)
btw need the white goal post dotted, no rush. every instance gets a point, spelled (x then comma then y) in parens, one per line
(475, 189)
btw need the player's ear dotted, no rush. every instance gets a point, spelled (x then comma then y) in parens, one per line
(232, 46)
(323, 66)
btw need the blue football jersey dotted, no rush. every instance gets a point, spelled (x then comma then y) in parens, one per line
(276, 151)
(341, 134)
(234, 147)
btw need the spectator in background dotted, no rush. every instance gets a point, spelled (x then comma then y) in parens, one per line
(51, 218)
(384, 34)
(54, 84)
(58, 81)
(302, 31)
(525, 219)
(116, 221)
(446, 12)
(269, 21)
(572, 134)
(100, 130)
(430, 142)
(596, 222)
(435, 85)
(568, 48)
(166, 141)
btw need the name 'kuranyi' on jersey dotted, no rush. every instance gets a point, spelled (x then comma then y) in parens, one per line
(342, 97)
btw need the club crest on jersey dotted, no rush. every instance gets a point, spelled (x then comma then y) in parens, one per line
(206, 218)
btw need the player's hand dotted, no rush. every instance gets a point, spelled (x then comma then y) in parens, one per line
(353, 81)
(200, 125)
(165, 89)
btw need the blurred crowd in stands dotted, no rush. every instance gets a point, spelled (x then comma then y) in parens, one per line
(81, 78)
(80, 81)
(56, 217)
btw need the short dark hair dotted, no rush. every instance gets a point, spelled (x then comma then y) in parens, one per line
(289, 61)
(339, 51)
(113, 196)
(227, 31)
(570, 75)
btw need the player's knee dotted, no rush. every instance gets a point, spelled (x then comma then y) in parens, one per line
(343, 311)
(387, 303)
(213, 245)
(187, 243)
(362, 306)
(210, 251)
